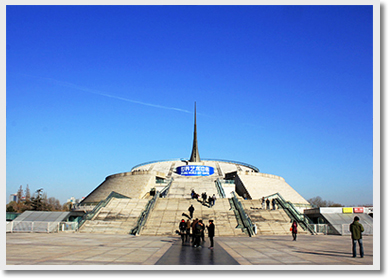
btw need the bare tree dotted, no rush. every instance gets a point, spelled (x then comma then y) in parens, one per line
(20, 194)
(319, 202)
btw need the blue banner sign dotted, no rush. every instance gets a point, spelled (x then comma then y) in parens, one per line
(195, 170)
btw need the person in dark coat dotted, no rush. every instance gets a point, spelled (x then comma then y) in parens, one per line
(203, 231)
(182, 230)
(188, 227)
(267, 201)
(210, 201)
(214, 199)
(356, 230)
(191, 210)
(294, 229)
(210, 230)
(193, 230)
(204, 196)
(197, 233)
(273, 204)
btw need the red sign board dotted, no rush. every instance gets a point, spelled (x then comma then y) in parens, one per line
(358, 210)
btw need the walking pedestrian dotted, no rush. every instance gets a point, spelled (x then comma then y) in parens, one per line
(263, 203)
(267, 203)
(182, 230)
(294, 229)
(356, 230)
(193, 230)
(191, 210)
(273, 204)
(214, 199)
(192, 193)
(210, 230)
(210, 201)
(204, 196)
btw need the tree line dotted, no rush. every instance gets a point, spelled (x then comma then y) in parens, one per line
(37, 201)
(318, 202)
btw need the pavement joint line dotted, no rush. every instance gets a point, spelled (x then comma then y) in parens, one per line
(234, 254)
(157, 255)
(60, 256)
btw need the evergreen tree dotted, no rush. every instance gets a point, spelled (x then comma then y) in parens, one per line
(28, 194)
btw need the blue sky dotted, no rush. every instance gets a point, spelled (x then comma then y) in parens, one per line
(94, 90)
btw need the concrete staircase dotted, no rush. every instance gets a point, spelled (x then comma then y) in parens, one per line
(268, 222)
(119, 216)
(164, 219)
(181, 186)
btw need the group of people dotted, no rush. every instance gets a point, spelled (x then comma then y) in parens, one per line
(268, 202)
(211, 199)
(196, 230)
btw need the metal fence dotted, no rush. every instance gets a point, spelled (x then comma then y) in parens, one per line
(319, 228)
(344, 229)
(341, 229)
(40, 227)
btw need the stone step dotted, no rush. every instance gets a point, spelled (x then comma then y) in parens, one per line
(119, 216)
(167, 214)
(268, 222)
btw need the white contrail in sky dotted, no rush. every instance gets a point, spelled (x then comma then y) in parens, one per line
(70, 85)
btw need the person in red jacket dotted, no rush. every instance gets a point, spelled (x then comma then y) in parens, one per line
(294, 229)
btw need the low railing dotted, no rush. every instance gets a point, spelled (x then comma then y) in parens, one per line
(40, 227)
(319, 228)
(101, 204)
(220, 189)
(245, 221)
(12, 215)
(206, 159)
(163, 193)
(343, 229)
(292, 212)
(227, 181)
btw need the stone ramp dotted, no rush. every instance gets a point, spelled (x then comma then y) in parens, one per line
(268, 222)
(119, 216)
(167, 213)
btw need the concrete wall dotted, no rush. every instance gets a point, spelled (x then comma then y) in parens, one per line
(130, 184)
(260, 184)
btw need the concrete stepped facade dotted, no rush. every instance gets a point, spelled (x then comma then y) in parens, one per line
(258, 185)
(119, 216)
(167, 214)
(268, 222)
(133, 184)
(181, 186)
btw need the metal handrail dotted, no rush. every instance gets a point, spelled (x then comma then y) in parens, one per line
(144, 215)
(293, 213)
(163, 193)
(220, 189)
(246, 221)
(141, 221)
(96, 209)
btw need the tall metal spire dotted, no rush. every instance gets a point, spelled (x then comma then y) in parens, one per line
(194, 153)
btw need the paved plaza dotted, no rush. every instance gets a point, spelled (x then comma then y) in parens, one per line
(66, 250)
